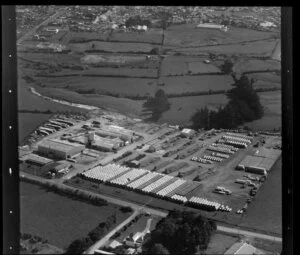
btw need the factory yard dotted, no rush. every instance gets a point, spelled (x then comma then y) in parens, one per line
(157, 165)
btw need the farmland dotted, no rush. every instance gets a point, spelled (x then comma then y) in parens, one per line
(188, 35)
(182, 108)
(53, 217)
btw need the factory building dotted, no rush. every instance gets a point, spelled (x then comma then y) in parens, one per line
(36, 160)
(105, 144)
(59, 149)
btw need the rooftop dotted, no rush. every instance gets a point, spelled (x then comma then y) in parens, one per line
(37, 159)
(59, 144)
(241, 248)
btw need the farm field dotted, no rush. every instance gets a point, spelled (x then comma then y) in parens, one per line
(122, 105)
(188, 35)
(245, 65)
(266, 80)
(28, 122)
(122, 86)
(182, 65)
(261, 48)
(112, 46)
(271, 101)
(183, 108)
(183, 84)
(121, 71)
(81, 36)
(153, 35)
(58, 219)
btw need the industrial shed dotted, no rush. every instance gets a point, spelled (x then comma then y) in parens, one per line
(256, 164)
(59, 149)
(36, 160)
(104, 144)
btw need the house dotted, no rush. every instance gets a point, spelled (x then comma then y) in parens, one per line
(242, 248)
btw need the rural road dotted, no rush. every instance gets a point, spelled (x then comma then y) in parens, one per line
(248, 233)
(31, 31)
(102, 241)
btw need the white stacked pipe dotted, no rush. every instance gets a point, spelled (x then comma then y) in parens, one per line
(220, 145)
(129, 176)
(221, 155)
(179, 198)
(237, 139)
(104, 173)
(234, 143)
(205, 161)
(164, 192)
(157, 183)
(142, 180)
(212, 158)
(220, 149)
(240, 135)
(204, 203)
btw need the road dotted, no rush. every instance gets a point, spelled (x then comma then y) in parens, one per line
(102, 241)
(32, 31)
(248, 233)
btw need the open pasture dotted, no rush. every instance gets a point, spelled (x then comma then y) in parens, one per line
(271, 102)
(266, 80)
(246, 65)
(85, 36)
(121, 86)
(121, 71)
(261, 48)
(59, 219)
(63, 60)
(151, 36)
(183, 108)
(183, 84)
(111, 59)
(182, 65)
(122, 105)
(188, 35)
(111, 47)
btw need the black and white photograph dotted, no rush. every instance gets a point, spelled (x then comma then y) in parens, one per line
(149, 129)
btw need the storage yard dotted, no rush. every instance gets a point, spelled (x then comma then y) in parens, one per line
(217, 171)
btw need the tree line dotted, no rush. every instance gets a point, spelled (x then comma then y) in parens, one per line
(244, 106)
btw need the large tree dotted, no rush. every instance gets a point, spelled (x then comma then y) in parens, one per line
(244, 106)
(180, 233)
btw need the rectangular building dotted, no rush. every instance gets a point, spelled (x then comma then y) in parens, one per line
(59, 149)
(36, 160)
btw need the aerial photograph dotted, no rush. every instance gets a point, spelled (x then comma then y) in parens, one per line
(149, 129)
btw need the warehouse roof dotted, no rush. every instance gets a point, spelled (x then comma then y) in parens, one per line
(241, 248)
(261, 162)
(59, 145)
(268, 153)
(37, 159)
